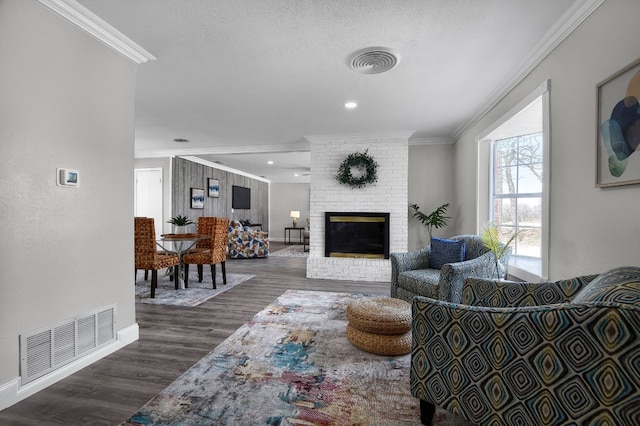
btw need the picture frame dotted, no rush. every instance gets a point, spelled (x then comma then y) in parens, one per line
(197, 198)
(214, 187)
(618, 128)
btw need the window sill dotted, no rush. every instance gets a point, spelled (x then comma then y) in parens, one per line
(526, 269)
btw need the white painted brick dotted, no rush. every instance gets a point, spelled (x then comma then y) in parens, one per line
(389, 194)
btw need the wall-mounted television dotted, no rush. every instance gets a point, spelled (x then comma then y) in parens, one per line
(240, 197)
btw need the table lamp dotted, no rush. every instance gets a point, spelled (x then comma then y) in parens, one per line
(295, 214)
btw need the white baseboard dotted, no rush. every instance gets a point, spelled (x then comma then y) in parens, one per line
(11, 392)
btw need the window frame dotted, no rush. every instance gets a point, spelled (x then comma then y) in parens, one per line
(516, 197)
(485, 176)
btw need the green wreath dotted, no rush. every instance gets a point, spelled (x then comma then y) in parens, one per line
(362, 162)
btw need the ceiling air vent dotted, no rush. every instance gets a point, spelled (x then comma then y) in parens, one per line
(373, 60)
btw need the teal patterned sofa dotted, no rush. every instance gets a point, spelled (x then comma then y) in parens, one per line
(411, 275)
(563, 353)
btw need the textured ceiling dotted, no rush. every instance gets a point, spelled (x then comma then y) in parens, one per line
(239, 76)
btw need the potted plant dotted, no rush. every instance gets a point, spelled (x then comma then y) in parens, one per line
(491, 239)
(180, 224)
(435, 219)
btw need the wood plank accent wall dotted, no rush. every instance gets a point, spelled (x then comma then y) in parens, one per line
(187, 175)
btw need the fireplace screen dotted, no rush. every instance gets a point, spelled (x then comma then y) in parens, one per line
(357, 235)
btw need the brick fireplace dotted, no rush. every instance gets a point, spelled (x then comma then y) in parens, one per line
(356, 234)
(389, 195)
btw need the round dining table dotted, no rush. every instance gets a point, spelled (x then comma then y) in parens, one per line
(179, 245)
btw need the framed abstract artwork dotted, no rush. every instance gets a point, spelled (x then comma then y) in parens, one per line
(214, 188)
(618, 128)
(197, 198)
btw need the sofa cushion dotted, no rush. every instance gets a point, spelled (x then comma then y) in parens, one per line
(423, 282)
(446, 251)
(621, 285)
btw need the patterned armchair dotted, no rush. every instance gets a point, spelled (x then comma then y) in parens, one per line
(246, 243)
(532, 354)
(411, 274)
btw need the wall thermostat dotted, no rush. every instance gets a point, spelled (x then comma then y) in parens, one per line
(68, 177)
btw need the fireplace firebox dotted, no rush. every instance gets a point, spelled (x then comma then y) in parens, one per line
(354, 234)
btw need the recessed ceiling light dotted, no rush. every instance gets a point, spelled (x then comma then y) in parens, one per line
(350, 105)
(270, 162)
(296, 174)
(180, 140)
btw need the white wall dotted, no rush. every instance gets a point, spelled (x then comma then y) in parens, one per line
(431, 175)
(66, 100)
(285, 197)
(387, 195)
(591, 229)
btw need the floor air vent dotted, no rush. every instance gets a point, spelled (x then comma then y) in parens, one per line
(44, 350)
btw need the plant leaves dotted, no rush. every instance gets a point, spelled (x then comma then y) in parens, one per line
(436, 219)
(180, 221)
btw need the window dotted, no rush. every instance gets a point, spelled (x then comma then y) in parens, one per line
(516, 196)
(517, 185)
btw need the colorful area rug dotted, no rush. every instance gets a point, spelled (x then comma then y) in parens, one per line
(291, 365)
(295, 250)
(197, 293)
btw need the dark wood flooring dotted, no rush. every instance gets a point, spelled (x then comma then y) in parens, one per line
(171, 340)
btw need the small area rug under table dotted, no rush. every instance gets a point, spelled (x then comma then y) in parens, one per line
(291, 365)
(295, 250)
(197, 293)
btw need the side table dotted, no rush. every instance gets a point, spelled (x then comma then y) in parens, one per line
(287, 231)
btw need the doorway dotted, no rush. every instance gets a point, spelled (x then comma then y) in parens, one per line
(148, 195)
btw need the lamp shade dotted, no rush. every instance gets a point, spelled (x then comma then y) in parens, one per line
(295, 214)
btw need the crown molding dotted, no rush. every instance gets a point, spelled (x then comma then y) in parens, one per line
(223, 150)
(405, 135)
(93, 25)
(430, 141)
(572, 18)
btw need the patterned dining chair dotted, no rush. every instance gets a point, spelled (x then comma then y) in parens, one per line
(216, 254)
(147, 257)
(205, 227)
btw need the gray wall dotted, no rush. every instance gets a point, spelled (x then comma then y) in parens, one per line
(187, 175)
(284, 198)
(431, 175)
(66, 100)
(591, 229)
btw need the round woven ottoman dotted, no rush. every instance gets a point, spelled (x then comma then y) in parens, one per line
(380, 325)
